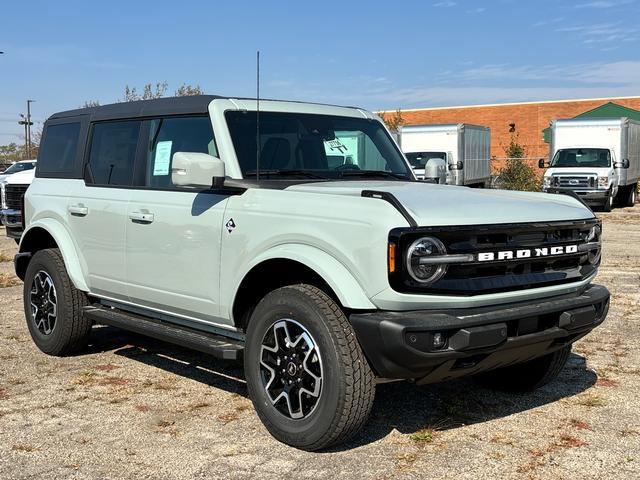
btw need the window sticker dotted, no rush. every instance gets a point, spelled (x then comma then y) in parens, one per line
(162, 159)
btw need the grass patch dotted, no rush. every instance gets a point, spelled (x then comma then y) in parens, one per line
(5, 257)
(425, 435)
(24, 447)
(591, 400)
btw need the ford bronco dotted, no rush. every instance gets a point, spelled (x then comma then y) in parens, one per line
(227, 228)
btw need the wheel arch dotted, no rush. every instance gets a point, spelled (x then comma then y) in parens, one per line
(291, 264)
(48, 233)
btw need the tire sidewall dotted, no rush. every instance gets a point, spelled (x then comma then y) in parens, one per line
(295, 306)
(44, 261)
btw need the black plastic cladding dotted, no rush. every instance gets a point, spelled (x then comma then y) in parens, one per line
(492, 277)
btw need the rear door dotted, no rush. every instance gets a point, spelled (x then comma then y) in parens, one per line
(173, 233)
(97, 207)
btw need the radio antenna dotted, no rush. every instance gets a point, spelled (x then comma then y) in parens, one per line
(258, 116)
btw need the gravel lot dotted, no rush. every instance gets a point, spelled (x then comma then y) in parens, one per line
(136, 408)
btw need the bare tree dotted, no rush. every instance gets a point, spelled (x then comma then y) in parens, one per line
(186, 90)
(393, 122)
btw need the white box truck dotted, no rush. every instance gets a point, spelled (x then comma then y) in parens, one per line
(597, 159)
(458, 154)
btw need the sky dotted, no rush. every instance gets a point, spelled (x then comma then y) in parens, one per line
(373, 54)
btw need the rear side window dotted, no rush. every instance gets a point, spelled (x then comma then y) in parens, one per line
(59, 148)
(113, 153)
(170, 135)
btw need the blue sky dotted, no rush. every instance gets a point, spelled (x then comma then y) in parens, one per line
(373, 54)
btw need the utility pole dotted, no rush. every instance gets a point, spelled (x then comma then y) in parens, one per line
(26, 121)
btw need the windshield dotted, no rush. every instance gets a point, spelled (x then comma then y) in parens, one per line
(19, 167)
(315, 146)
(582, 157)
(420, 159)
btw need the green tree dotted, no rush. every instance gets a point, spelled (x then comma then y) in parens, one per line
(516, 174)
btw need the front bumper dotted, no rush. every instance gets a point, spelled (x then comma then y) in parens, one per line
(12, 220)
(400, 344)
(590, 197)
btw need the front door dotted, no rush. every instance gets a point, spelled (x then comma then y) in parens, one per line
(173, 233)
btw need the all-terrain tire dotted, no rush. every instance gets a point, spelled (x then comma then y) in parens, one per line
(70, 330)
(348, 386)
(527, 376)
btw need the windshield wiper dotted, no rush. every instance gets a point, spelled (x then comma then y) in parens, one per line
(284, 172)
(373, 173)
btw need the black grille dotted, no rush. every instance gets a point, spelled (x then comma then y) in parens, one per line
(575, 181)
(13, 195)
(496, 276)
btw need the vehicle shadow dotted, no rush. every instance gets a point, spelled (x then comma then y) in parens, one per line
(401, 406)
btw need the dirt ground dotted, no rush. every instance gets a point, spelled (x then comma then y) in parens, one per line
(130, 407)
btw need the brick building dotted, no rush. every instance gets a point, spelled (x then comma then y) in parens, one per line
(529, 119)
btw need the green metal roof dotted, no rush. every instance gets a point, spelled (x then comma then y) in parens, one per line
(606, 110)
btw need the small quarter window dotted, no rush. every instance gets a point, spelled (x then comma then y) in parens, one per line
(113, 152)
(170, 135)
(59, 148)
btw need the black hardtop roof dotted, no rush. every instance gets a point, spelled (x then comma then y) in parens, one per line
(143, 108)
(157, 106)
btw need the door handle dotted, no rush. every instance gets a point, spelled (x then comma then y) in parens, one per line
(141, 217)
(78, 210)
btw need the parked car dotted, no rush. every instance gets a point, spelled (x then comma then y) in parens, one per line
(179, 219)
(18, 167)
(457, 154)
(597, 159)
(12, 191)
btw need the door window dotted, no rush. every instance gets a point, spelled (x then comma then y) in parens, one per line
(170, 135)
(113, 152)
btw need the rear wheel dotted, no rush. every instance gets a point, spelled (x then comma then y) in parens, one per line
(306, 374)
(631, 195)
(53, 306)
(527, 376)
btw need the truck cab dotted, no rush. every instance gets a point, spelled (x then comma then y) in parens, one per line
(596, 159)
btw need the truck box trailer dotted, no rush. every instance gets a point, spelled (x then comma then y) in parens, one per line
(464, 148)
(598, 159)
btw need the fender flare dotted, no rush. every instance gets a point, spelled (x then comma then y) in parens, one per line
(335, 274)
(67, 248)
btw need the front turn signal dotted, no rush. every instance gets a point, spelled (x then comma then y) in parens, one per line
(391, 257)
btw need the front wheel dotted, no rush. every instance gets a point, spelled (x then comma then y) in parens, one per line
(527, 376)
(608, 203)
(306, 374)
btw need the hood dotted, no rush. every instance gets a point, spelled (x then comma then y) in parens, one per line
(436, 205)
(21, 178)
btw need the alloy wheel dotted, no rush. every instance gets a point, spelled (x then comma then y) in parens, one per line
(44, 302)
(291, 368)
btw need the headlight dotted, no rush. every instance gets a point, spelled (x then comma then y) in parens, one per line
(594, 236)
(546, 182)
(603, 182)
(419, 266)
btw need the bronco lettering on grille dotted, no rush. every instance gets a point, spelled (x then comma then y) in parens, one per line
(527, 253)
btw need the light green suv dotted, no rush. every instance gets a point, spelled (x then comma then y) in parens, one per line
(297, 238)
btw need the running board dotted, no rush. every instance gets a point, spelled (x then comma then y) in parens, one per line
(215, 345)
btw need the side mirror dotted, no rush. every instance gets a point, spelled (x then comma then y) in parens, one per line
(456, 166)
(541, 163)
(623, 164)
(192, 169)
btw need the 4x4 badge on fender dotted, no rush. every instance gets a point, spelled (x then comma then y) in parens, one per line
(230, 225)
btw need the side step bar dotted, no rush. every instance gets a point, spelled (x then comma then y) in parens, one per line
(215, 345)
